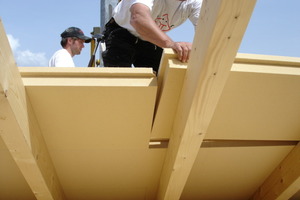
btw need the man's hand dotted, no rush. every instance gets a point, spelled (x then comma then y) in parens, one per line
(183, 50)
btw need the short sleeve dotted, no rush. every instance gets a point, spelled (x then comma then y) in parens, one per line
(195, 12)
(148, 3)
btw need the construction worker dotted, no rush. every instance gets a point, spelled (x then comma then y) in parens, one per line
(72, 41)
(135, 35)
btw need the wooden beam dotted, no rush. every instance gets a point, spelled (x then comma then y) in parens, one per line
(284, 181)
(20, 131)
(220, 30)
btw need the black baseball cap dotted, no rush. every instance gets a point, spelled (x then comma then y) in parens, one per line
(75, 32)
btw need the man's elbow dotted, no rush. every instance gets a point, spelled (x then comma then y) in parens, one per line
(139, 25)
(139, 15)
(136, 21)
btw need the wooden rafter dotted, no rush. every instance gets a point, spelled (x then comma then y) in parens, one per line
(284, 181)
(220, 30)
(20, 131)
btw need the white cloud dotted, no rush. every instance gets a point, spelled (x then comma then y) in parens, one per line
(14, 43)
(26, 57)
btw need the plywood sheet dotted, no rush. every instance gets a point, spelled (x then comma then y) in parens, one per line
(259, 102)
(87, 117)
(97, 130)
(108, 173)
(232, 172)
(167, 101)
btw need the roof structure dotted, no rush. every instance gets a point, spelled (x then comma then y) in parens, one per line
(224, 126)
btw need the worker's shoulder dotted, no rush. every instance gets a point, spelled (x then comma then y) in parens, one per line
(61, 52)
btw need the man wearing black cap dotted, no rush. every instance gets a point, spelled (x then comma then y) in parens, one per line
(72, 41)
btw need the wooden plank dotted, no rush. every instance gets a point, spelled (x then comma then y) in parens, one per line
(20, 132)
(284, 181)
(267, 59)
(259, 102)
(85, 72)
(97, 131)
(220, 30)
(93, 82)
(232, 173)
(167, 54)
(266, 69)
(167, 99)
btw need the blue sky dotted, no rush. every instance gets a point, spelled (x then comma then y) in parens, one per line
(34, 27)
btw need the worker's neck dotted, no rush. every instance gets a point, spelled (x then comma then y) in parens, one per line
(70, 51)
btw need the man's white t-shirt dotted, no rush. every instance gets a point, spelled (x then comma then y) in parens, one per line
(61, 58)
(167, 14)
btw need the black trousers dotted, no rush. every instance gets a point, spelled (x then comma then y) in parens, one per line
(123, 49)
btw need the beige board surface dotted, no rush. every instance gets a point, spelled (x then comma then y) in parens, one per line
(93, 162)
(167, 101)
(259, 102)
(98, 142)
(97, 131)
(95, 158)
(231, 173)
(108, 173)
